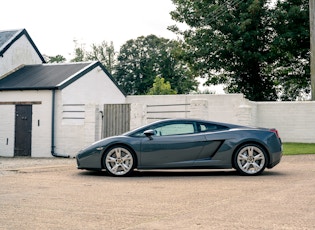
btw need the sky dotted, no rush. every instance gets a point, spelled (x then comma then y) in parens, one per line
(54, 25)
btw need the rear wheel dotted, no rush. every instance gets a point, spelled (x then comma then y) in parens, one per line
(118, 161)
(250, 159)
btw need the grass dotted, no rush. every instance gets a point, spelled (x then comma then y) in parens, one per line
(298, 148)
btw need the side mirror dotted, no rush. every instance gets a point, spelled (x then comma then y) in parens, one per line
(149, 133)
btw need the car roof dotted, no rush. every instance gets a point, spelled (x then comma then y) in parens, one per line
(230, 126)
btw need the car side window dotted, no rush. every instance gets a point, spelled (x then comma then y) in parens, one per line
(208, 127)
(175, 129)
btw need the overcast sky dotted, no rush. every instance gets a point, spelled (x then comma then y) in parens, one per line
(53, 25)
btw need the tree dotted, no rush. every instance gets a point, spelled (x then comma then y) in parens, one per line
(160, 87)
(55, 59)
(233, 42)
(141, 60)
(104, 53)
(79, 53)
(291, 48)
(226, 43)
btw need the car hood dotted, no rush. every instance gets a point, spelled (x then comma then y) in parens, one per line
(103, 142)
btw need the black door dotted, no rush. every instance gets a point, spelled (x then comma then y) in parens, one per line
(23, 130)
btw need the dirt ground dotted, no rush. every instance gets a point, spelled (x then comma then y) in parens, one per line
(53, 194)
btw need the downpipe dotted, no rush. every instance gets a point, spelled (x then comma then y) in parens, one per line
(53, 128)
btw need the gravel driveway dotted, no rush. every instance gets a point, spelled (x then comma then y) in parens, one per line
(53, 194)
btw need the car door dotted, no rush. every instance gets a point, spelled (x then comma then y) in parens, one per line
(174, 145)
(215, 136)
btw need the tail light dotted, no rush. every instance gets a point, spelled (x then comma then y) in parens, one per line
(275, 131)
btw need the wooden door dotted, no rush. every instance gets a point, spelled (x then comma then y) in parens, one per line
(23, 130)
(116, 119)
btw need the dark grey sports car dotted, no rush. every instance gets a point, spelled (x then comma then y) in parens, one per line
(185, 144)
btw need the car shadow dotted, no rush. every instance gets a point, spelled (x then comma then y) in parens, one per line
(198, 173)
(180, 173)
(183, 173)
(93, 173)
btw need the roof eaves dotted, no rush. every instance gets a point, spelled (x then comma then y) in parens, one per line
(27, 88)
(76, 76)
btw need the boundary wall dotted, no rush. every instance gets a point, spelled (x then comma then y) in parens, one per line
(295, 121)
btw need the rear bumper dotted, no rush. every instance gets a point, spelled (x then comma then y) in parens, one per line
(275, 159)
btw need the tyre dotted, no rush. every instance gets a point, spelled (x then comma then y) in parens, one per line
(118, 161)
(250, 160)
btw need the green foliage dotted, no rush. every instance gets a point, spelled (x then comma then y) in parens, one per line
(291, 48)
(160, 87)
(235, 42)
(141, 60)
(104, 53)
(79, 54)
(56, 59)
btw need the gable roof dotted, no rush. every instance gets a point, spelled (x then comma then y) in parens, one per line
(8, 37)
(49, 76)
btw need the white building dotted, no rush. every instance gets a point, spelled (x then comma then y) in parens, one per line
(49, 109)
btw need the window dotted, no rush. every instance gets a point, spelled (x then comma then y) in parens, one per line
(208, 127)
(175, 129)
(180, 128)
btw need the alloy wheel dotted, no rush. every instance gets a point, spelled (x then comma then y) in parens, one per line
(250, 160)
(119, 161)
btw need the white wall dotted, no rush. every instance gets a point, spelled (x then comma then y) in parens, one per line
(41, 135)
(231, 108)
(93, 88)
(41, 121)
(78, 118)
(295, 121)
(7, 124)
(20, 53)
(71, 135)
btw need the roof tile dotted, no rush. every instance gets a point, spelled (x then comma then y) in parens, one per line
(42, 76)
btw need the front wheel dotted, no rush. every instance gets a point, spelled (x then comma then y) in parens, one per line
(118, 161)
(250, 159)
